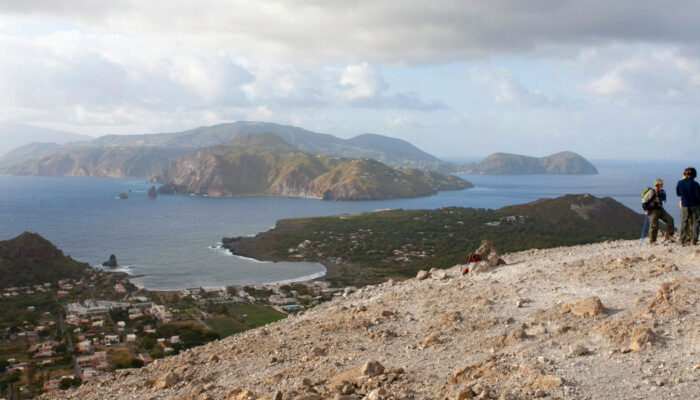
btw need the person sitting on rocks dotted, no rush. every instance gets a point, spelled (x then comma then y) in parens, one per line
(653, 199)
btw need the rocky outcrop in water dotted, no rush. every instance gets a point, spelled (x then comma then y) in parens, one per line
(112, 262)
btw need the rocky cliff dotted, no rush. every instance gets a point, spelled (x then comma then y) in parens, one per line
(610, 320)
(264, 164)
(565, 162)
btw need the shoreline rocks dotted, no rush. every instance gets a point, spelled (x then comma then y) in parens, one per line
(112, 262)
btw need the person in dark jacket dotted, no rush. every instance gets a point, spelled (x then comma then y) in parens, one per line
(689, 192)
(653, 199)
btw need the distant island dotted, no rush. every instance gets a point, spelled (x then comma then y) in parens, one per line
(565, 162)
(370, 247)
(148, 155)
(265, 164)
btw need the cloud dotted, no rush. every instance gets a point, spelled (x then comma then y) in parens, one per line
(505, 89)
(361, 82)
(661, 75)
(364, 86)
(384, 31)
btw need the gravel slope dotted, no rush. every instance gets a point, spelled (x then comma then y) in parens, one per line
(532, 328)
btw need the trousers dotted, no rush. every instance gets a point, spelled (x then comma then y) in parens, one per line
(654, 216)
(690, 219)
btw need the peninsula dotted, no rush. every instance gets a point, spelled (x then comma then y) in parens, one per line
(265, 164)
(370, 247)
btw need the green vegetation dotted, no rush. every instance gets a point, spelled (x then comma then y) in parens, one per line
(238, 317)
(225, 326)
(256, 315)
(370, 247)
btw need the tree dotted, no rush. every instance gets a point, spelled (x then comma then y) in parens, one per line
(136, 363)
(65, 383)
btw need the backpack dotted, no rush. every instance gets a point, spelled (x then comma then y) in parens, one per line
(646, 206)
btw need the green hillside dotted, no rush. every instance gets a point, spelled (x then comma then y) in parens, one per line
(30, 259)
(370, 247)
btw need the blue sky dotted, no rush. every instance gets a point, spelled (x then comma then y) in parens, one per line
(458, 79)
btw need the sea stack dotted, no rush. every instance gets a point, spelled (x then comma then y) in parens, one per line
(112, 262)
(152, 192)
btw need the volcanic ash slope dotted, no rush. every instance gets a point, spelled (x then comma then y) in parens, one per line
(604, 321)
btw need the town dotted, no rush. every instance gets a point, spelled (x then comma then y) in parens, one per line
(59, 334)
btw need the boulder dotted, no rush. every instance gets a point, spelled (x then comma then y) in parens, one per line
(372, 368)
(167, 380)
(588, 307)
(488, 257)
(112, 262)
(152, 192)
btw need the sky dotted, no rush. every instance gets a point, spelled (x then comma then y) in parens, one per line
(459, 79)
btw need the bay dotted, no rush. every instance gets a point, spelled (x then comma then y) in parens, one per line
(174, 240)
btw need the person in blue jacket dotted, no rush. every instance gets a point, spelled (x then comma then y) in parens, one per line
(689, 192)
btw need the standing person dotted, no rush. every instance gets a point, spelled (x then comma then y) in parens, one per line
(653, 204)
(689, 192)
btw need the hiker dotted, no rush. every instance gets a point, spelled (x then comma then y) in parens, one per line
(473, 258)
(689, 192)
(652, 202)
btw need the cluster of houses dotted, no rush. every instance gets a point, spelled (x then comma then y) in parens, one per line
(405, 253)
(64, 285)
(76, 313)
(91, 312)
(16, 291)
(280, 299)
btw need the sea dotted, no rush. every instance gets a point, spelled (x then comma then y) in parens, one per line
(174, 241)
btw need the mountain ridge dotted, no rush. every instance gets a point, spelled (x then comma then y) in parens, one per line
(108, 155)
(14, 135)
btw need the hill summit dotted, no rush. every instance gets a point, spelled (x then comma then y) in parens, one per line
(609, 320)
(30, 259)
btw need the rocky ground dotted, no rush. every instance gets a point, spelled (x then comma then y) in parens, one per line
(613, 320)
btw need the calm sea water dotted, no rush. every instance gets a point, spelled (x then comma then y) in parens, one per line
(174, 241)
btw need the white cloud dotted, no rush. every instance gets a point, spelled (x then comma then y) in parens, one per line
(504, 87)
(361, 82)
(662, 75)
